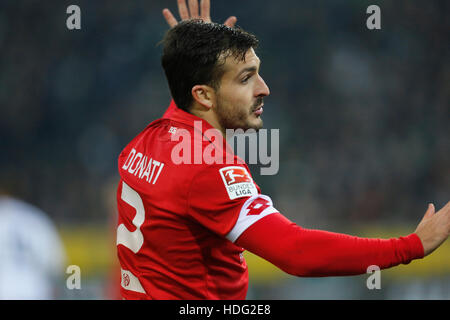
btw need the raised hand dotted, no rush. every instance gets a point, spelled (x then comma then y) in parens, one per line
(193, 13)
(434, 228)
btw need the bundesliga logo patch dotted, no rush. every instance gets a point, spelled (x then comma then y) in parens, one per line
(238, 182)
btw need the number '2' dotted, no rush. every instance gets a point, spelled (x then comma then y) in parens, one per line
(132, 240)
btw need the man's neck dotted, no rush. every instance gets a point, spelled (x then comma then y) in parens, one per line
(210, 117)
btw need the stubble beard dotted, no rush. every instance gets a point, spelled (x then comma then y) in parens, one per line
(239, 118)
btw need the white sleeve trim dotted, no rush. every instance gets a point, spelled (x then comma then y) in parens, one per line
(244, 221)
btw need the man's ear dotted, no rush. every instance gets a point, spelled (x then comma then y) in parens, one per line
(204, 95)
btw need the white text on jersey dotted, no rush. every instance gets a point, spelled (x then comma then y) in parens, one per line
(142, 166)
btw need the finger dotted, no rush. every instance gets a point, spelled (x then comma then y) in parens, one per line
(231, 21)
(430, 211)
(205, 10)
(183, 10)
(171, 21)
(193, 8)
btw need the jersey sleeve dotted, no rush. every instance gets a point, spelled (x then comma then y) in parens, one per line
(317, 253)
(226, 200)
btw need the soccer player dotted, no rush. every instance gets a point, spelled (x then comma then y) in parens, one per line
(183, 227)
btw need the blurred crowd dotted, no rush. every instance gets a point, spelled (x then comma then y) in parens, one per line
(363, 114)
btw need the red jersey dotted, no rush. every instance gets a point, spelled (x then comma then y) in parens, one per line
(178, 221)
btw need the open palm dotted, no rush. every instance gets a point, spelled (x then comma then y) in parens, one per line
(193, 13)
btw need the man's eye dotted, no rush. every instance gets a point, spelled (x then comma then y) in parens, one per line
(245, 79)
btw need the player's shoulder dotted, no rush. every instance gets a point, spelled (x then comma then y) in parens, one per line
(156, 131)
(176, 153)
(234, 180)
(144, 159)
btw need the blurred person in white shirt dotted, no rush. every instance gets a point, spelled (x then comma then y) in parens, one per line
(32, 255)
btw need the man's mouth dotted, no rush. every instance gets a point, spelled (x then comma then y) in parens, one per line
(258, 111)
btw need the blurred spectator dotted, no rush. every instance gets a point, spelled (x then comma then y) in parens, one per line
(31, 253)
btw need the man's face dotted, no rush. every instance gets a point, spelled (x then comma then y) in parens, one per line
(240, 96)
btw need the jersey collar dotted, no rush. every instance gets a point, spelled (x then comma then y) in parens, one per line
(176, 114)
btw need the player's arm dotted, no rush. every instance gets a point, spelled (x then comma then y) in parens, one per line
(193, 13)
(314, 253)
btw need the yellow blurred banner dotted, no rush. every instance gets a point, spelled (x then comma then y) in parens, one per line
(92, 248)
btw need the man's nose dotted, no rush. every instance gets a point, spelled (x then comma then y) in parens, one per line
(262, 88)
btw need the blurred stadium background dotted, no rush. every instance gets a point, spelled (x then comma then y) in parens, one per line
(363, 118)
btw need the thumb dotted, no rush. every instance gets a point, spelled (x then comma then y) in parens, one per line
(430, 211)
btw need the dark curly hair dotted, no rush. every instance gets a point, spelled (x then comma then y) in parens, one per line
(194, 53)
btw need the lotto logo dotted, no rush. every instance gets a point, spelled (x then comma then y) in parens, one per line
(173, 130)
(255, 208)
(258, 206)
(126, 280)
